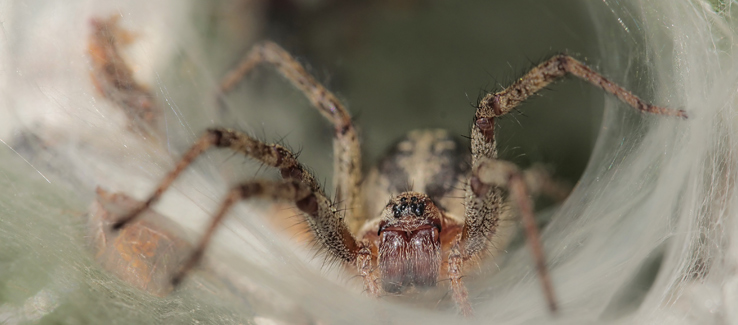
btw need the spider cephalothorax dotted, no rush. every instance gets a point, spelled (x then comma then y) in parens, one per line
(407, 242)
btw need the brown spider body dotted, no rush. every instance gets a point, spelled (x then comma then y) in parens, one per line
(445, 207)
(412, 233)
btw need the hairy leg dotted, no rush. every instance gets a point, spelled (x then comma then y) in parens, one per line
(366, 269)
(328, 225)
(483, 198)
(455, 273)
(503, 174)
(316, 208)
(347, 154)
(482, 203)
(497, 104)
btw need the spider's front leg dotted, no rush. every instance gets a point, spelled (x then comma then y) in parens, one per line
(501, 103)
(299, 186)
(483, 192)
(503, 174)
(489, 178)
(327, 222)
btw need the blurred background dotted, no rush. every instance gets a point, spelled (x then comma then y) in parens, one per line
(420, 64)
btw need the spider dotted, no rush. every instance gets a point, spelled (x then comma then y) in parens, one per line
(441, 215)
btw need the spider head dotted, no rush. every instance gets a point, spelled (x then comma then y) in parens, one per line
(410, 211)
(410, 242)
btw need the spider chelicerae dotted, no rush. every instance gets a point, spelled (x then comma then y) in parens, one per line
(444, 212)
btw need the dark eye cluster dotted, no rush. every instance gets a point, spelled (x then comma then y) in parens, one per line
(413, 207)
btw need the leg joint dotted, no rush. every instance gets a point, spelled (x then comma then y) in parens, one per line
(221, 137)
(308, 205)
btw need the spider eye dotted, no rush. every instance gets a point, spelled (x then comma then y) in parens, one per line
(418, 209)
(397, 210)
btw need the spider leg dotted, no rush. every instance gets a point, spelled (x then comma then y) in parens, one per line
(366, 269)
(497, 104)
(327, 224)
(316, 208)
(202, 144)
(489, 177)
(455, 270)
(346, 151)
(483, 199)
(502, 174)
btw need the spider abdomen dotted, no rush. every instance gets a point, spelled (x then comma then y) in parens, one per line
(426, 161)
(432, 162)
